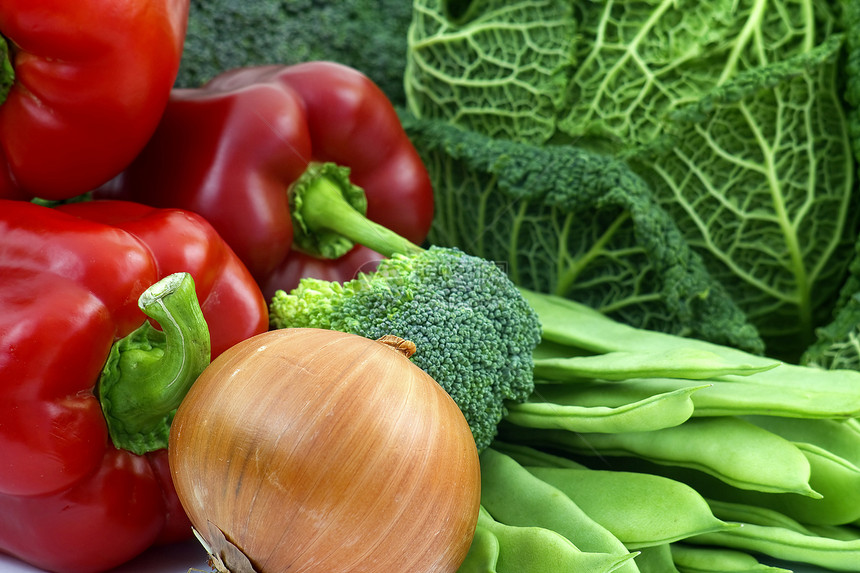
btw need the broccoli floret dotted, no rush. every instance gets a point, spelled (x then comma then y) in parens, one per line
(474, 332)
(368, 35)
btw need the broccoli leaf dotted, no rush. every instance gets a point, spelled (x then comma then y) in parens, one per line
(568, 221)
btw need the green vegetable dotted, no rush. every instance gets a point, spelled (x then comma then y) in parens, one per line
(692, 559)
(837, 344)
(626, 504)
(570, 328)
(771, 206)
(656, 559)
(507, 61)
(735, 452)
(731, 114)
(772, 446)
(555, 407)
(831, 447)
(574, 223)
(505, 548)
(783, 543)
(369, 35)
(473, 331)
(850, 12)
(515, 496)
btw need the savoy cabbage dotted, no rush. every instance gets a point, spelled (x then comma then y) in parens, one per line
(568, 221)
(731, 111)
(837, 344)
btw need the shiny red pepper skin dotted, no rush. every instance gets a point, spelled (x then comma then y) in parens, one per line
(231, 149)
(299, 265)
(92, 78)
(70, 278)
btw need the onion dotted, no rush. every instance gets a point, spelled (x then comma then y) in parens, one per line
(307, 450)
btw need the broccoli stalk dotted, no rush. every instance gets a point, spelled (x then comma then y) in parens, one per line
(474, 332)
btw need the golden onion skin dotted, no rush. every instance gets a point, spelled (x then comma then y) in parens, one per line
(319, 451)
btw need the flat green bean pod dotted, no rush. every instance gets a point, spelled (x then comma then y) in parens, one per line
(677, 362)
(730, 396)
(690, 559)
(748, 513)
(837, 480)
(552, 408)
(732, 450)
(595, 333)
(755, 515)
(514, 496)
(840, 437)
(540, 550)
(528, 456)
(837, 484)
(483, 555)
(833, 450)
(656, 559)
(789, 545)
(641, 510)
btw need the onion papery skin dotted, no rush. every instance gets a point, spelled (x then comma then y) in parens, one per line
(319, 451)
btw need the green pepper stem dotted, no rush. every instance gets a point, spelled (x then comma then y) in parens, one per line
(327, 209)
(150, 371)
(7, 72)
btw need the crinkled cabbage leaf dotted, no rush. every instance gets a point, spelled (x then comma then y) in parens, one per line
(731, 111)
(568, 221)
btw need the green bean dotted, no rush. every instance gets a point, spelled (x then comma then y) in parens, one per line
(733, 450)
(528, 456)
(788, 545)
(550, 407)
(841, 437)
(656, 559)
(514, 496)
(757, 515)
(598, 334)
(744, 513)
(833, 450)
(838, 484)
(725, 397)
(641, 510)
(540, 550)
(483, 555)
(675, 362)
(840, 532)
(691, 559)
(837, 480)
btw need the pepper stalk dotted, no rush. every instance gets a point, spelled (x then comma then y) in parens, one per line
(149, 372)
(328, 213)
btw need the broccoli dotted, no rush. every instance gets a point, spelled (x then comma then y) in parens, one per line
(369, 35)
(474, 332)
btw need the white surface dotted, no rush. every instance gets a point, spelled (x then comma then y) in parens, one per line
(182, 557)
(178, 558)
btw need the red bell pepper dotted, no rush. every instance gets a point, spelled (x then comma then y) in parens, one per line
(88, 387)
(83, 85)
(234, 150)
